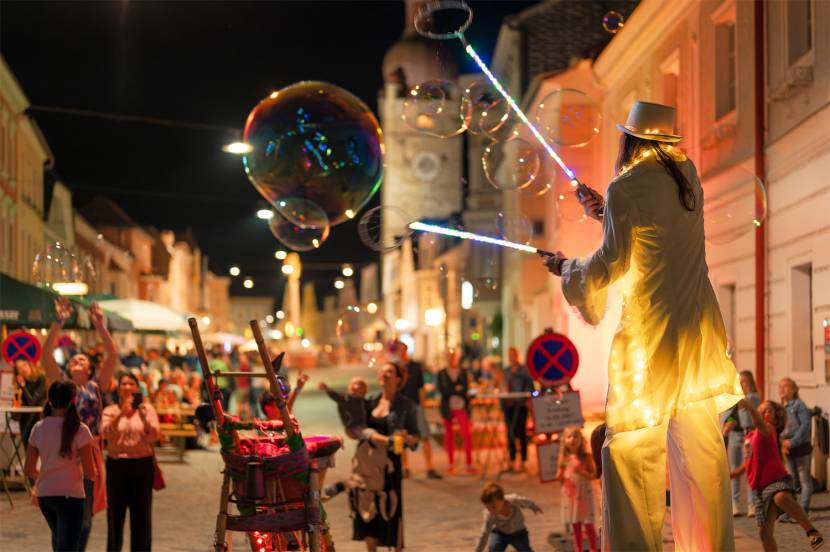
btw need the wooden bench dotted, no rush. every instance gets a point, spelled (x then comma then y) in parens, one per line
(177, 433)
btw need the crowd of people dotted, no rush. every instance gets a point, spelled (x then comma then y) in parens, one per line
(95, 445)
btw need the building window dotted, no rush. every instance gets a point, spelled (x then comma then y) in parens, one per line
(799, 29)
(801, 282)
(725, 69)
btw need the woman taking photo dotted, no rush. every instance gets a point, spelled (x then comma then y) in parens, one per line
(130, 429)
(669, 375)
(67, 467)
(88, 385)
(392, 423)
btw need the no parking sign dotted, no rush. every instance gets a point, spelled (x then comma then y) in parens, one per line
(552, 357)
(21, 345)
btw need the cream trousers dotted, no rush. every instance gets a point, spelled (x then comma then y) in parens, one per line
(634, 477)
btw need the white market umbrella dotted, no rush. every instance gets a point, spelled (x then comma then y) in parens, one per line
(146, 315)
(220, 338)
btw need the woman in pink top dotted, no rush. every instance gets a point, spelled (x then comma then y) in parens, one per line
(59, 440)
(130, 429)
(767, 476)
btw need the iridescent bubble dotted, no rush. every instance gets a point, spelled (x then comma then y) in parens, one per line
(568, 117)
(305, 236)
(484, 109)
(514, 227)
(568, 206)
(301, 212)
(315, 141)
(58, 268)
(434, 108)
(613, 22)
(384, 228)
(443, 19)
(511, 164)
(733, 213)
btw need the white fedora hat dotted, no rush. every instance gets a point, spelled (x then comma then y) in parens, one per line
(651, 121)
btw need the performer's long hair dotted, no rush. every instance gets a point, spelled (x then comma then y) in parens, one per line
(633, 148)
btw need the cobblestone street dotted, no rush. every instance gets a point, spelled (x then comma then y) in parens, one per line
(439, 515)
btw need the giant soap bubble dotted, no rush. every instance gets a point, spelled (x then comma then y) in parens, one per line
(315, 141)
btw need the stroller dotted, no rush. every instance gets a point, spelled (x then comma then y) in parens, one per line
(271, 471)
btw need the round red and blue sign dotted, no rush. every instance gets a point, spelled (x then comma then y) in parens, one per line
(552, 357)
(21, 345)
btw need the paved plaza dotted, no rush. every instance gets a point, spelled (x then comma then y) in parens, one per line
(439, 515)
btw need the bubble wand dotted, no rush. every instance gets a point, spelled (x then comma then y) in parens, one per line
(427, 13)
(464, 235)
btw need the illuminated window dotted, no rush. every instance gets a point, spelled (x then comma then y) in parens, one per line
(799, 29)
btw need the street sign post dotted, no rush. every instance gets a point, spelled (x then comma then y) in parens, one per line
(21, 345)
(552, 357)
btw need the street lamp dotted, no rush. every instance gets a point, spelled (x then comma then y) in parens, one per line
(372, 308)
(234, 271)
(248, 283)
(287, 269)
(280, 255)
(206, 320)
(339, 284)
(265, 214)
(269, 319)
(348, 271)
(238, 148)
(280, 315)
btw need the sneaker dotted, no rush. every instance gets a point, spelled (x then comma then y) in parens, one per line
(784, 518)
(451, 470)
(432, 474)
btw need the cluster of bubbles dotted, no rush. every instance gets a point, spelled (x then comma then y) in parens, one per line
(58, 267)
(317, 157)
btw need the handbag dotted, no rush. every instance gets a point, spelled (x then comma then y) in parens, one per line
(158, 476)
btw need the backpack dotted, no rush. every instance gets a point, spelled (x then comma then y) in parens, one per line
(370, 465)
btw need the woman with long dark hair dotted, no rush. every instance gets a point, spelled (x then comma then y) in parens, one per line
(60, 440)
(669, 373)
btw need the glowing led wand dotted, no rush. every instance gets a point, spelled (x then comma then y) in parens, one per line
(464, 235)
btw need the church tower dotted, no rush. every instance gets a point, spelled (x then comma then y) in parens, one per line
(423, 174)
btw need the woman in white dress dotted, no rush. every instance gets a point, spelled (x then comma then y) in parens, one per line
(669, 373)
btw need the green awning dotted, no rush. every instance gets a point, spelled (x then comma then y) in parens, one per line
(23, 304)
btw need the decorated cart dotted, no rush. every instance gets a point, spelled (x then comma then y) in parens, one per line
(271, 472)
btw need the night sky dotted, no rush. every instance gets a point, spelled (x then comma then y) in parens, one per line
(207, 63)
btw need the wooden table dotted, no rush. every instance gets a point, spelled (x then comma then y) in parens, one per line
(16, 440)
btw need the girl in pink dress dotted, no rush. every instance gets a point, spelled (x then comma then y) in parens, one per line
(576, 472)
